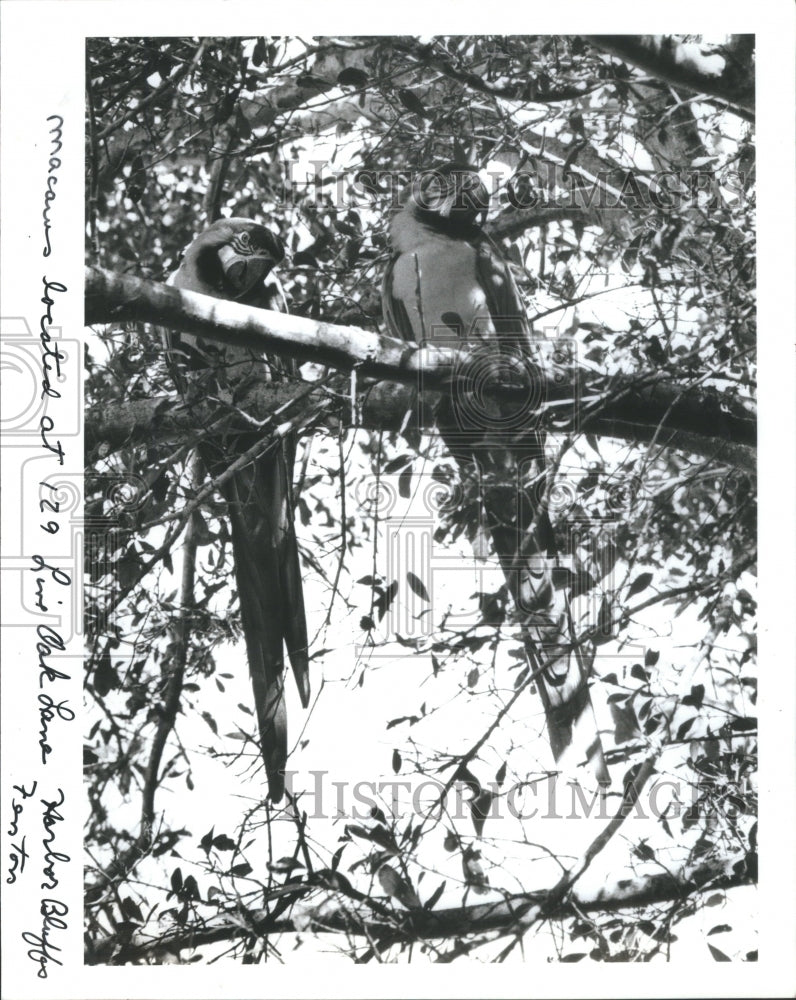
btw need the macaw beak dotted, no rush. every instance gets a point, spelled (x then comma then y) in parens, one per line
(243, 273)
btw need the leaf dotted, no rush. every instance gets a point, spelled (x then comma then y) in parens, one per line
(433, 899)
(574, 956)
(412, 102)
(258, 55)
(719, 956)
(651, 657)
(333, 880)
(310, 82)
(190, 888)
(719, 929)
(744, 725)
(160, 487)
(132, 910)
(411, 719)
(211, 722)
(396, 886)
(451, 841)
(417, 586)
(479, 810)
(241, 869)
(397, 464)
(176, 880)
(384, 601)
(352, 77)
(304, 259)
(283, 866)
(500, 777)
(472, 677)
(696, 697)
(223, 843)
(683, 729)
(652, 724)
(354, 829)
(105, 676)
(592, 442)
(642, 581)
(454, 321)
(474, 874)
(242, 124)
(405, 483)
(639, 673)
(396, 762)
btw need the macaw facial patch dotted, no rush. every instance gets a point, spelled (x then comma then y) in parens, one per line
(243, 271)
(451, 194)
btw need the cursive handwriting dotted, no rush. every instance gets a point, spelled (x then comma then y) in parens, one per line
(52, 180)
(48, 710)
(51, 591)
(17, 807)
(18, 854)
(50, 356)
(50, 817)
(49, 640)
(52, 911)
(56, 574)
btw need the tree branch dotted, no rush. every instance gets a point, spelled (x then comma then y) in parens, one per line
(114, 297)
(704, 69)
(637, 408)
(412, 925)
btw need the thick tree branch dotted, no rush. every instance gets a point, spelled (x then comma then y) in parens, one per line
(631, 416)
(637, 408)
(704, 69)
(413, 925)
(114, 297)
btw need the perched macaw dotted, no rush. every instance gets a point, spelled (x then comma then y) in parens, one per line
(233, 259)
(447, 282)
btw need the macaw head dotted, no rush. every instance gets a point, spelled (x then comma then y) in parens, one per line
(452, 191)
(234, 256)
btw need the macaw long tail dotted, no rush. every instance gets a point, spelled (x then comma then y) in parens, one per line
(268, 574)
(523, 538)
(563, 683)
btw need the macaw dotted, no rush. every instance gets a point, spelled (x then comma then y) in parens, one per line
(233, 259)
(447, 282)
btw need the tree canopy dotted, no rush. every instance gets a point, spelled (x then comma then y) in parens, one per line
(622, 177)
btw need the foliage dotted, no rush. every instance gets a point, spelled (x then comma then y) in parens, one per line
(626, 207)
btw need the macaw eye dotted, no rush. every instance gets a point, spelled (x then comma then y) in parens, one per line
(244, 239)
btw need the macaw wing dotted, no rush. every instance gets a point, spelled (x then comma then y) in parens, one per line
(503, 298)
(291, 578)
(563, 686)
(261, 513)
(395, 315)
